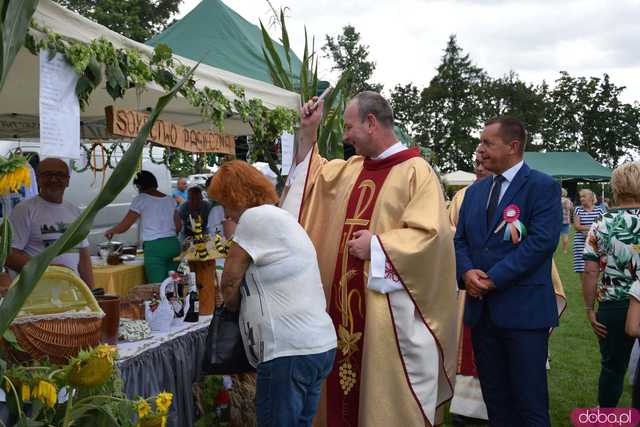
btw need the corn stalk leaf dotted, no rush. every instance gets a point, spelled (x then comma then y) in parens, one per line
(80, 228)
(5, 239)
(285, 40)
(330, 131)
(275, 58)
(275, 77)
(16, 16)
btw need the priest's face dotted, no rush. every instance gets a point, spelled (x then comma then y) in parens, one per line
(357, 133)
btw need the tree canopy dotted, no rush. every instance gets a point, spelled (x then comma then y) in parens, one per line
(135, 19)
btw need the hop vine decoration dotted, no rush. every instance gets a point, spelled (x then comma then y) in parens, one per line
(14, 173)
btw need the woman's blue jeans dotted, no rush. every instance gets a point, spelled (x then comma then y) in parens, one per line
(288, 389)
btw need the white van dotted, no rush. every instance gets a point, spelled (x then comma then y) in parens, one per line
(85, 186)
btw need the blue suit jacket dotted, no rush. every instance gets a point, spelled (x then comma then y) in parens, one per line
(524, 297)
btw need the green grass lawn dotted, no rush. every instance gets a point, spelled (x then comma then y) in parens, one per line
(575, 358)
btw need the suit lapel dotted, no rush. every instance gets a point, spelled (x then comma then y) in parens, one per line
(514, 188)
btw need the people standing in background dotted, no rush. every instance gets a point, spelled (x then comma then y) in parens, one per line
(181, 195)
(612, 247)
(160, 225)
(584, 215)
(567, 211)
(216, 215)
(467, 405)
(195, 209)
(39, 221)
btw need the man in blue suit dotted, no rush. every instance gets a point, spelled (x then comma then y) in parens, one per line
(508, 229)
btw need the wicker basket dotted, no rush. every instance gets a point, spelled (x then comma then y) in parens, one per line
(56, 339)
(59, 318)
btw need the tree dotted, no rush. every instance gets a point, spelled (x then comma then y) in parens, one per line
(348, 53)
(136, 19)
(405, 102)
(586, 114)
(451, 110)
(511, 96)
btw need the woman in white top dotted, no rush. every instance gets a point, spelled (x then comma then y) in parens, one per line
(160, 225)
(286, 330)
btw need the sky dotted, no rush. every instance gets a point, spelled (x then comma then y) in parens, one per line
(536, 39)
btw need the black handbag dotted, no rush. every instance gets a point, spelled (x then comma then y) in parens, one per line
(225, 352)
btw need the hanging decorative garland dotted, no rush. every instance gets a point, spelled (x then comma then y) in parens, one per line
(86, 154)
(125, 69)
(163, 159)
(93, 158)
(111, 161)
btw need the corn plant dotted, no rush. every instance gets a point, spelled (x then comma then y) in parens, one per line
(282, 75)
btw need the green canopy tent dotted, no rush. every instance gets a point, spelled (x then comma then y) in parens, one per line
(216, 35)
(568, 166)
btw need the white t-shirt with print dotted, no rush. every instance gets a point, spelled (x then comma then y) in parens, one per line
(283, 308)
(37, 224)
(156, 214)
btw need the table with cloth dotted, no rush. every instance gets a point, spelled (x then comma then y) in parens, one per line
(118, 279)
(170, 362)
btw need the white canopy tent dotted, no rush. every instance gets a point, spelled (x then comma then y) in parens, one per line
(459, 178)
(19, 96)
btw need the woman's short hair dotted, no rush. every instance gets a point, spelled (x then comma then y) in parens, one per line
(625, 182)
(145, 180)
(564, 192)
(588, 192)
(238, 185)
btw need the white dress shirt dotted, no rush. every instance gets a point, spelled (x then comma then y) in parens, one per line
(509, 175)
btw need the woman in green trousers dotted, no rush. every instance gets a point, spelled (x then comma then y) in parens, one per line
(160, 225)
(612, 247)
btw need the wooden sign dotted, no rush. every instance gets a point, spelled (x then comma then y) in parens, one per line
(169, 134)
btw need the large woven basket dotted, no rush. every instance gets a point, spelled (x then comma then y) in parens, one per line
(60, 329)
(56, 339)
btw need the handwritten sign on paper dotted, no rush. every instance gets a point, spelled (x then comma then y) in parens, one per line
(59, 108)
(286, 142)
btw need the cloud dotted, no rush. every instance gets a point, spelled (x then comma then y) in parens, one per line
(535, 38)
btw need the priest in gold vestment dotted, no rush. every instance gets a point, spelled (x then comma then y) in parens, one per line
(385, 249)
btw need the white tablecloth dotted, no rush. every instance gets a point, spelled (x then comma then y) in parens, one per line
(127, 350)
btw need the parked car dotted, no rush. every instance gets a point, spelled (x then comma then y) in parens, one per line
(85, 186)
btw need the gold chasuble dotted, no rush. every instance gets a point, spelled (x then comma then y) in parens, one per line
(396, 357)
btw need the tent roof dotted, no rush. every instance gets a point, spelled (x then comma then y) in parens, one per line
(215, 34)
(568, 165)
(459, 178)
(21, 91)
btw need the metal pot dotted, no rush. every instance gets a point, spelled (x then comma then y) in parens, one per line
(110, 251)
(112, 246)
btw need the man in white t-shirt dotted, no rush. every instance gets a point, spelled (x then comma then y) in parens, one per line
(39, 221)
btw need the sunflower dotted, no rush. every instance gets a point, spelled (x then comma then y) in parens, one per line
(91, 368)
(14, 173)
(143, 408)
(46, 392)
(163, 402)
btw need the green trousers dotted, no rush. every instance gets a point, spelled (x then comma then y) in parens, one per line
(158, 258)
(615, 349)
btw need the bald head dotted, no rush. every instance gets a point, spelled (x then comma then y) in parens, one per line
(52, 164)
(53, 179)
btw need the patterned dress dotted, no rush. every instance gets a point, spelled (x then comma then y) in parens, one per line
(586, 219)
(614, 242)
